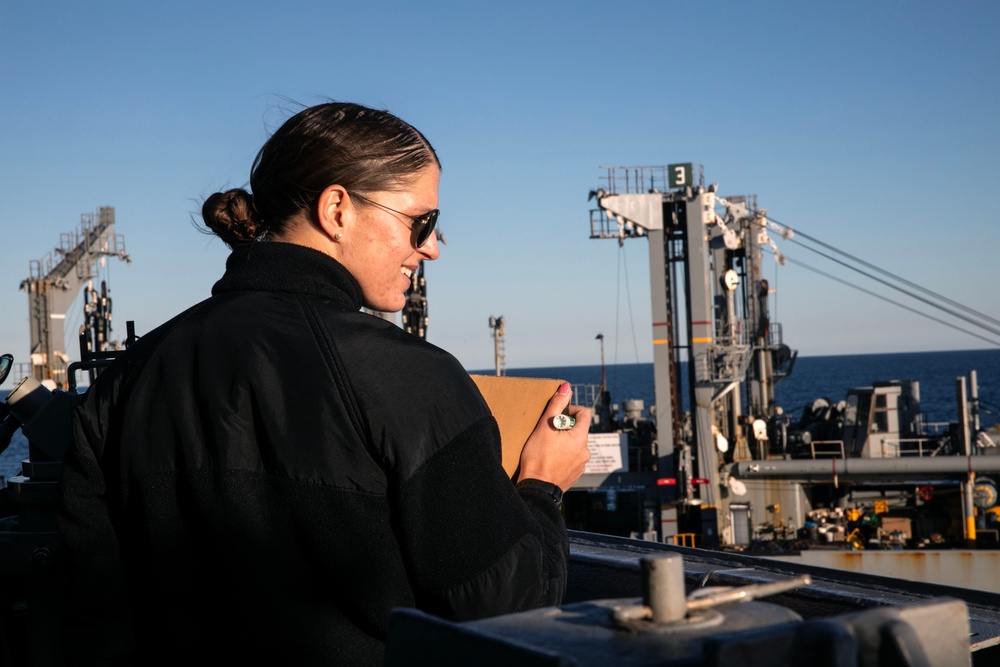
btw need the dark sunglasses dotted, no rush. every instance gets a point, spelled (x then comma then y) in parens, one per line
(423, 226)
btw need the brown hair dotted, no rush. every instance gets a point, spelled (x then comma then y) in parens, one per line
(359, 148)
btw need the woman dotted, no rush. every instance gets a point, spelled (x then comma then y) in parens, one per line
(269, 473)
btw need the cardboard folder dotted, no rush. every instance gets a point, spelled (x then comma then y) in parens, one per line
(516, 404)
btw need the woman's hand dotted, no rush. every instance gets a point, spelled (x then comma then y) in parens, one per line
(557, 456)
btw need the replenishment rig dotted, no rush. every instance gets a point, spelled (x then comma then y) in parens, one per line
(718, 464)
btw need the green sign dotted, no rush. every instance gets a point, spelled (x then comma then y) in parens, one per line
(679, 175)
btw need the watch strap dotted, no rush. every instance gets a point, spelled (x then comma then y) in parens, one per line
(548, 488)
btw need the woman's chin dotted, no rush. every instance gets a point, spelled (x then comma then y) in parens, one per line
(386, 305)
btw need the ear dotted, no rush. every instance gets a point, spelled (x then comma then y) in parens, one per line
(332, 210)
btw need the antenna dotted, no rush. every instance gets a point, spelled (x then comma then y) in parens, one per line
(499, 360)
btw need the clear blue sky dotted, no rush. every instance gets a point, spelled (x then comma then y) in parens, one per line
(872, 126)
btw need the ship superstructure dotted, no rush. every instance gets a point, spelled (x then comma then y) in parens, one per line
(54, 283)
(730, 469)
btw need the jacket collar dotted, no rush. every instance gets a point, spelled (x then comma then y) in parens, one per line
(287, 267)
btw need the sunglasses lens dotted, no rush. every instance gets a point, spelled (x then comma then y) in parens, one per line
(426, 228)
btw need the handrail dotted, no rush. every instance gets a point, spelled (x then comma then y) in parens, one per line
(901, 451)
(685, 539)
(839, 453)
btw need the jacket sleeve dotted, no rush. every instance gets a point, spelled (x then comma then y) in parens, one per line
(475, 546)
(95, 622)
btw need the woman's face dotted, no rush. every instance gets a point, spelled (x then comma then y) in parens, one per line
(378, 250)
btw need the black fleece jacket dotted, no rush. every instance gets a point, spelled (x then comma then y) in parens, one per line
(268, 474)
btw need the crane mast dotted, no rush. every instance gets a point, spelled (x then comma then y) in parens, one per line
(709, 306)
(56, 280)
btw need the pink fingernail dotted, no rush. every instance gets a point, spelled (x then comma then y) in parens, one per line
(564, 388)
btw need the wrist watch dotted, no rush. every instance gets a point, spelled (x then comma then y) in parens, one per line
(546, 487)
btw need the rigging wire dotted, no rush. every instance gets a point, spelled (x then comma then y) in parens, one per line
(899, 289)
(622, 269)
(884, 298)
(775, 299)
(628, 299)
(889, 274)
(618, 301)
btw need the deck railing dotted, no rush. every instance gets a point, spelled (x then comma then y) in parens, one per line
(910, 447)
(586, 395)
(827, 449)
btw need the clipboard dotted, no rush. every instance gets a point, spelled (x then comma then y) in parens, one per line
(516, 404)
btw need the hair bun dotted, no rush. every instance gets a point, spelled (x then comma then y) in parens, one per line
(230, 215)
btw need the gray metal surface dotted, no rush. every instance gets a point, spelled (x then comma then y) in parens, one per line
(962, 568)
(607, 567)
(865, 469)
(830, 623)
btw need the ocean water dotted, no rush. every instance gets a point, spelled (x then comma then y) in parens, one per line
(829, 377)
(812, 377)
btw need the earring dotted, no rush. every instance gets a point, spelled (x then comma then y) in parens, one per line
(339, 236)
